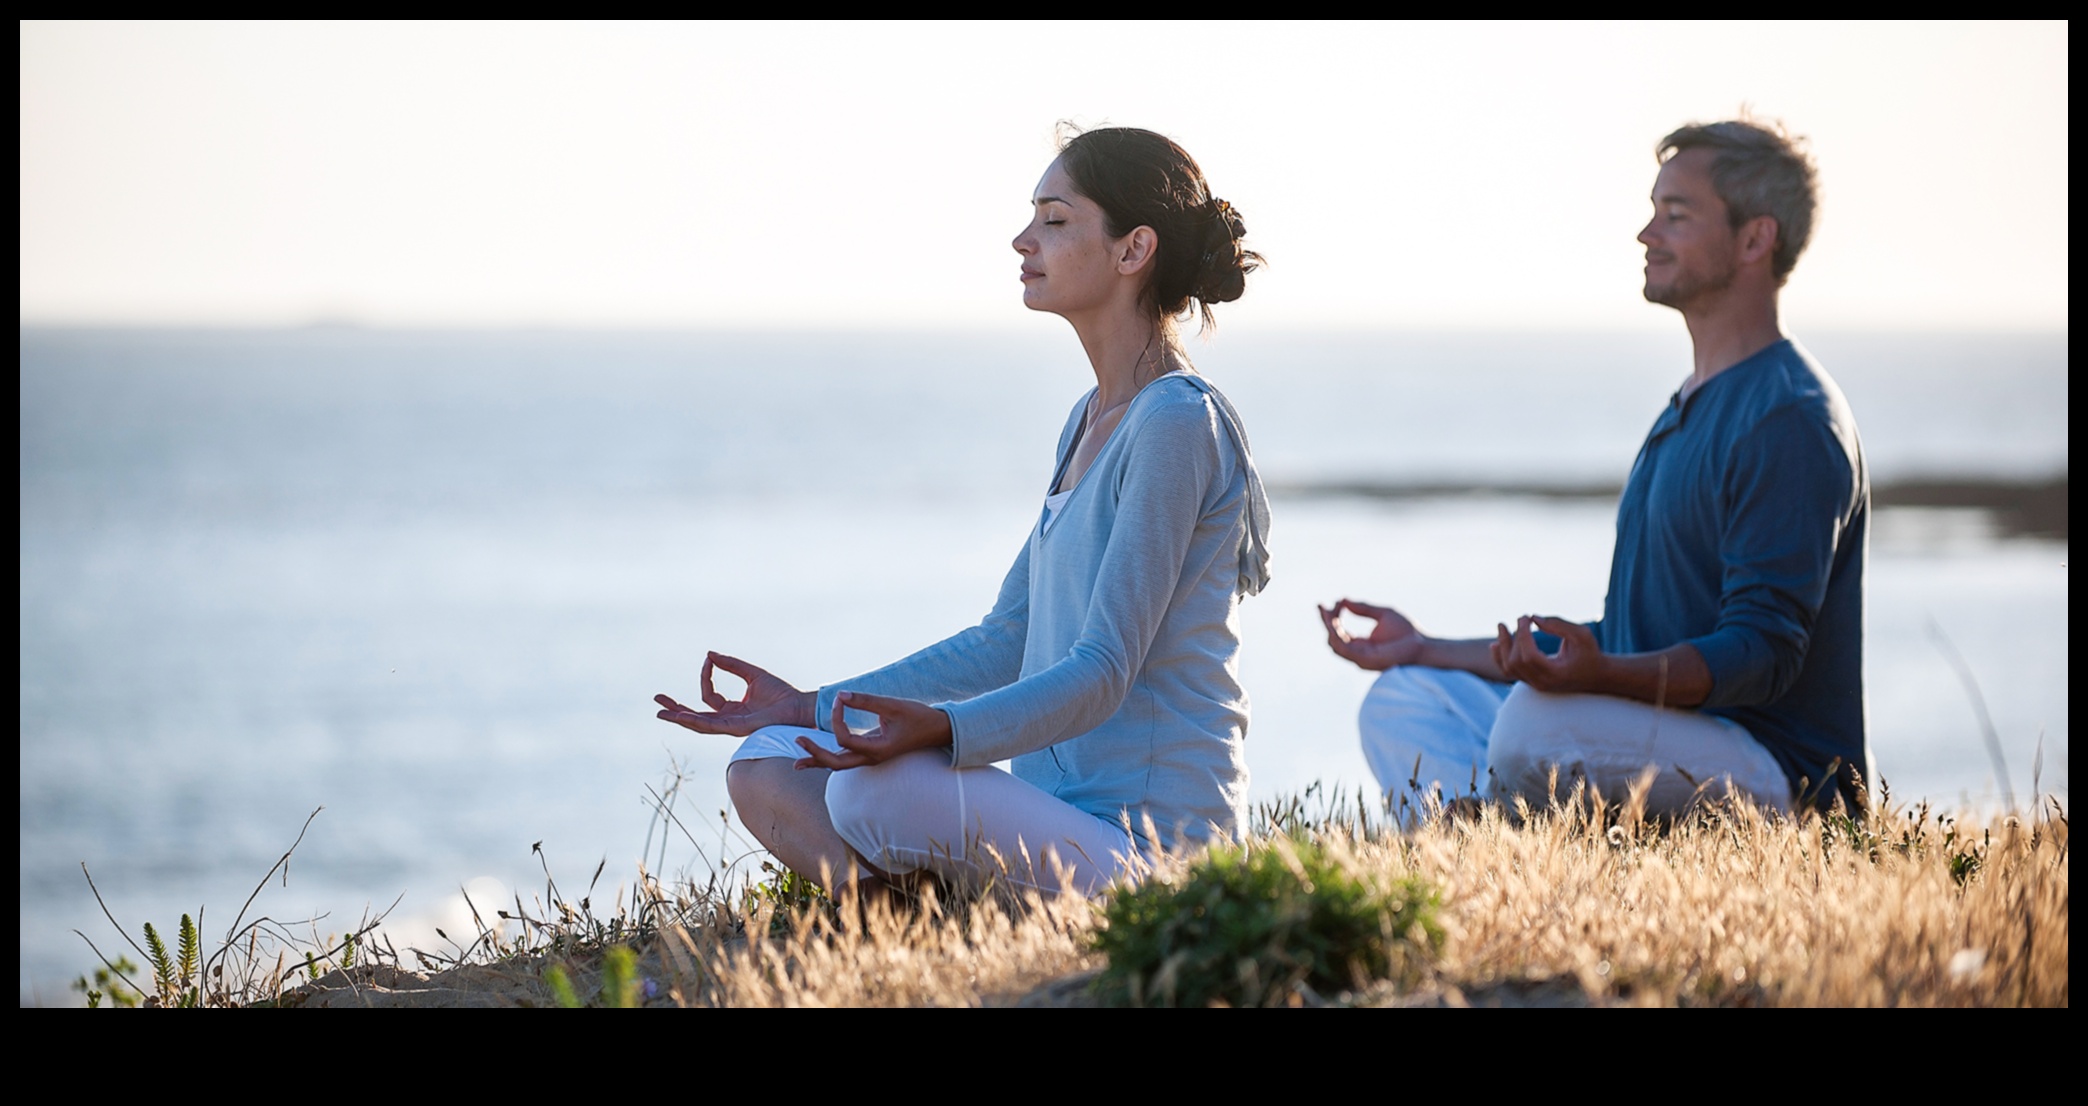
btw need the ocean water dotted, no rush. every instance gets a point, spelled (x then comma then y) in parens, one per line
(430, 581)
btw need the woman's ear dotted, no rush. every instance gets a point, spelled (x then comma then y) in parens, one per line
(1135, 250)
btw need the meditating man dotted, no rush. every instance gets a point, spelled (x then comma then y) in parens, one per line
(1729, 656)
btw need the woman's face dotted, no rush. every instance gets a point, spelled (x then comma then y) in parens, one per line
(1070, 264)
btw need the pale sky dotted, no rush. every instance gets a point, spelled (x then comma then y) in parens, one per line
(849, 176)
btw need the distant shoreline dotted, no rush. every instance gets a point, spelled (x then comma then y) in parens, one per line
(2021, 508)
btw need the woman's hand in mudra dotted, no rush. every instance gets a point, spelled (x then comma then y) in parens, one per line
(904, 725)
(768, 701)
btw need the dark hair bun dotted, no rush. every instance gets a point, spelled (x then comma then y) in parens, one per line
(1222, 277)
(1139, 178)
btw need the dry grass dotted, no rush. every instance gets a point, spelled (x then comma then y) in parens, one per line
(1568, 906)
(1738, 909)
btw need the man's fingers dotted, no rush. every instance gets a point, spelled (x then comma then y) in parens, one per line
(1526, 649)
(1558, 626)
(1503, 650)
(1337, 635)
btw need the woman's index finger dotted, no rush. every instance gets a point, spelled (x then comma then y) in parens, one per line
(730, 664)
(875, 704)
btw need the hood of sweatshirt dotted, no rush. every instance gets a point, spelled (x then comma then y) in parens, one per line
(1254, 550)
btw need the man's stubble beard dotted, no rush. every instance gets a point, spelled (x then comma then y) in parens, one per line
(1686, 288)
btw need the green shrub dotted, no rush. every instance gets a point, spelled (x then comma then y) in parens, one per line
(1245, 927)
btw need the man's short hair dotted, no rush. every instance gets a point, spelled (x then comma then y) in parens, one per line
(1757, 171)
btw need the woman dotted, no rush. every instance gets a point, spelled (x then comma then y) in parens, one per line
(1106, 669)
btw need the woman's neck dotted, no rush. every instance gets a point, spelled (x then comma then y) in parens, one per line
(1127, 351)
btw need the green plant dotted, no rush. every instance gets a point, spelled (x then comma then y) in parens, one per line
(620, 983)
(561, 985)
(174, 978)
(789, 895)
(108, 982)
(1249, 926)
(620, 979)
(188, 978)
(1966, 862)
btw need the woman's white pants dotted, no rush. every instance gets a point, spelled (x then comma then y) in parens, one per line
(972, 825)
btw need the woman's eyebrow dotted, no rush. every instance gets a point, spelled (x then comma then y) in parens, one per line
(1050, 200)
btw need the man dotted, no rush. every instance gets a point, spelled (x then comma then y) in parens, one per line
(1729, 656)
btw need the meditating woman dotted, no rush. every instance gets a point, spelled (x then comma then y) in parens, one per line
(1107, 669)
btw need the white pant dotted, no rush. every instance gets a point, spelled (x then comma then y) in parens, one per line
(1471, 734)
(918, 813)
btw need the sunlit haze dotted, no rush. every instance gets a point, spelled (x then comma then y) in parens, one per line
(852, 176)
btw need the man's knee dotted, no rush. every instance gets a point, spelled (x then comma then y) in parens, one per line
(1401, 688)
(1533, 750)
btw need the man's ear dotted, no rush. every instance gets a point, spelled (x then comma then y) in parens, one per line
(1135, 250)
(1758, 239)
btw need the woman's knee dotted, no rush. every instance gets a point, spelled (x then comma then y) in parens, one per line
(748, 783)
(865, 803)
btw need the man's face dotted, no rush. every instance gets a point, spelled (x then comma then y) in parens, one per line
(1691, 249)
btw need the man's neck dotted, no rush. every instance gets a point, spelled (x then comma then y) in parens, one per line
(1730, 329)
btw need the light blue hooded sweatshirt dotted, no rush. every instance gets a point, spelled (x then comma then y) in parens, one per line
(1108, 668)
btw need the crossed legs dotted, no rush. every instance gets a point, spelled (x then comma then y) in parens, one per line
(1459, 727)
(918, 813)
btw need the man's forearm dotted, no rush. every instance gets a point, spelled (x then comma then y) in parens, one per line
(1474, 655)
(1675, 677)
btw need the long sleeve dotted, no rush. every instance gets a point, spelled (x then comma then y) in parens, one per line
(1159, 490)
(1789, 495)
(964, 664)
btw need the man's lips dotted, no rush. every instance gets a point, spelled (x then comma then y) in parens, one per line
(1029, 274)
(1659, 258)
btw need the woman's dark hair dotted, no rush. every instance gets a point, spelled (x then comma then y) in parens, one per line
(1139, 178)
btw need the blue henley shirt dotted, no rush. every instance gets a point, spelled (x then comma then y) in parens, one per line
(1743, 531)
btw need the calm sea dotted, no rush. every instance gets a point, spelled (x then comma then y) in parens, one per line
(430, 581)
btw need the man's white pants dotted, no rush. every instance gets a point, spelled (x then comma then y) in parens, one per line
(1433, 730)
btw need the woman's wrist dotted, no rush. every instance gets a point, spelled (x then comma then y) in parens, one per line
(805, 712)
